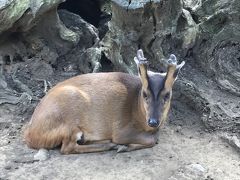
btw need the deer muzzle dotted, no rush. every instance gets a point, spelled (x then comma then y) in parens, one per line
(152, 122)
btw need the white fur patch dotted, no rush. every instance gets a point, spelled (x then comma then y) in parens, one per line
(79, 135)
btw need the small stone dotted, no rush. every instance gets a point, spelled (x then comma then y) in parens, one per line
(197, 168)
(42, 155)
(7, 167)
(179, 128)
(219, 171)
(231, 140)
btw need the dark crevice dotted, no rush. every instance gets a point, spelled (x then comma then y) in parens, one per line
(89, 10)
(189, 53)
(129, 3)
(149, 46)
(195, 18)
(107, 65)
(154, 21)
(18, 58)
(7, 60)
(103, 26)
(139, 46)
(181, 24)
(90, 66)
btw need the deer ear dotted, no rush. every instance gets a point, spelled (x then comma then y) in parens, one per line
(141, 62)
(172, 72)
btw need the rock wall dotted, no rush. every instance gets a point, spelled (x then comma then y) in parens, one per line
(41, 46)
(203, 33)
(217, 52)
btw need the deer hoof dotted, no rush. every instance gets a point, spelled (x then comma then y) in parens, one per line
(122, 148)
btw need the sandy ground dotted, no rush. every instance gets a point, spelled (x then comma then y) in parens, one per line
(185, 151)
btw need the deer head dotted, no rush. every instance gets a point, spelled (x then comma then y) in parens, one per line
(156, 92)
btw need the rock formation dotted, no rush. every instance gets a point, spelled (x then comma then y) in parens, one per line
(42, 45)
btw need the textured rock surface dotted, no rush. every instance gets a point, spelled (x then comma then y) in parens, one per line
(217, 51)
(190, 172)
(23, 14)
(37, 55)
(204, 33)
(145, 25)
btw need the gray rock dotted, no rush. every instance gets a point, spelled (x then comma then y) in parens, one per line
(88, 34)
(89, 61)
(23, 14)
(33, 49)
(8, 167)
(190, 172)
(196, 168)
(145, 24)
(232, 140)
(41, 155)
(205, 33)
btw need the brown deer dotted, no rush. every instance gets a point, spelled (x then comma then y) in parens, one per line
(103, 111)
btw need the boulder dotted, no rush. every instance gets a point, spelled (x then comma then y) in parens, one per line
(22, 15)
(144, 24)
(203, 33)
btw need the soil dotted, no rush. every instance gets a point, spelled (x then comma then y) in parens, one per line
(185, 151)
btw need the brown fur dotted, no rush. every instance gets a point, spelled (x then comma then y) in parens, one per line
(170, 77)
(103, 106)
(97, 112)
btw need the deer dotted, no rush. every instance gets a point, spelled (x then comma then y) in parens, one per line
(104, 111)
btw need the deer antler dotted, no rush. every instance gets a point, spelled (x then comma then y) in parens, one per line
(172, 61)
(140, 59)
(173, 70)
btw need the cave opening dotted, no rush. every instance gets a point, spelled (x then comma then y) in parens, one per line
(89, 10)
(107, 65)
(7, 60)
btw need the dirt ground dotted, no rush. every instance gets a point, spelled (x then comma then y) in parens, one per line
(185, 151)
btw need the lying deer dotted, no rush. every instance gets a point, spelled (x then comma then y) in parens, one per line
(103, 111)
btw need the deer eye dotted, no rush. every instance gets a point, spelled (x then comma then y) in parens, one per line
(145, 96)
(166, 97)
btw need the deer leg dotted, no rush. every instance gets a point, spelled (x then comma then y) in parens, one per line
(137, 141)
(132, 147)
(75, 143)
(74, 148)
(134, 137)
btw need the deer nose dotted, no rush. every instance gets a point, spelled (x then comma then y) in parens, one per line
(153, 122)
